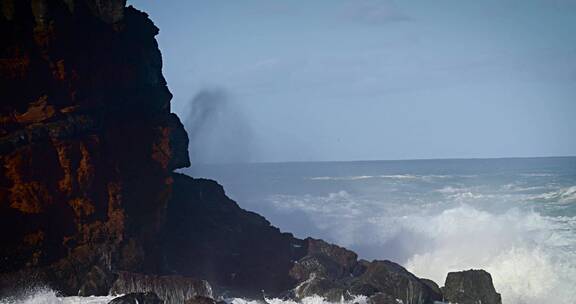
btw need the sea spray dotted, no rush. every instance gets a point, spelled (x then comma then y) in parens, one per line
(514, 218)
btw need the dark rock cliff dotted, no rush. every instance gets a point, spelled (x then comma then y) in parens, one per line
(89, 203)
(87, 140)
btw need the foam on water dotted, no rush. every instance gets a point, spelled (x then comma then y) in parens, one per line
(531, 257)
(306, 300)
(44, 295)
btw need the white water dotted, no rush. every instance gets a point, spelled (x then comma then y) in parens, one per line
(519, 226)
(515, 218)
(49, 296)
(530, 256)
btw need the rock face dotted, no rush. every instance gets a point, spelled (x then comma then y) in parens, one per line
(87, 140)
(470, 287)
(209, 236)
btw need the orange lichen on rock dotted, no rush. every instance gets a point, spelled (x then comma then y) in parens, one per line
(87, 140)
(38, 111)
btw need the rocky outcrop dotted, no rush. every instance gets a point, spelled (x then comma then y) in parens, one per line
(87, 141)
(335, 273)
(207, 235)
(470, 287)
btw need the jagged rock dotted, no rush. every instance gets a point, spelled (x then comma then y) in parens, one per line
(137, 298)
(171, 289)
(470, 287)
(317, 285)
(324, 260)
(393, 280)
(97, 282)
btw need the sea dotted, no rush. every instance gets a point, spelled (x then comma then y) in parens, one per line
(513, 217)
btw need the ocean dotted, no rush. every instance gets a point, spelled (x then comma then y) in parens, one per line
(515, 218)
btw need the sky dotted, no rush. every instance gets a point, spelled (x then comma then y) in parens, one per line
(328, 80)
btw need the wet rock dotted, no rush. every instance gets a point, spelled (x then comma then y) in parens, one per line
(393, 280)
(432, 285)
(470, 287)
(321, 286)
(382, 298)
(137, 298)
(200, 300)
(207, 235)
(97, 282)
(324, 260)
(171, 289)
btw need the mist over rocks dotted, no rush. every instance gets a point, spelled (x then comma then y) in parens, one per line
(218, 130)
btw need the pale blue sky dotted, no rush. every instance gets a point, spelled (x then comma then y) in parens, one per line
(376, 79)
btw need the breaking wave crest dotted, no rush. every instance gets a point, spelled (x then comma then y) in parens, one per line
(531, 257)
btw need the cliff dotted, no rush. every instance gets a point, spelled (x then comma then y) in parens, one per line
(87, 140)
(89, 203)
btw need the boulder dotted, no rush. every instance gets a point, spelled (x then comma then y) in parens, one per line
(325, 260)
(470, 287)
(394, 280)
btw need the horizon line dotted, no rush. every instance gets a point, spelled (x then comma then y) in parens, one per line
(378, 160)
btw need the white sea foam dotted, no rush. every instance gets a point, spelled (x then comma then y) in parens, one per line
(44, 295)
(562, 195)
(306, 300)
(531, 257)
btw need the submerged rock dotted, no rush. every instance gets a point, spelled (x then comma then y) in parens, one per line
(138, 298)
(171, 289)
(470, 287)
